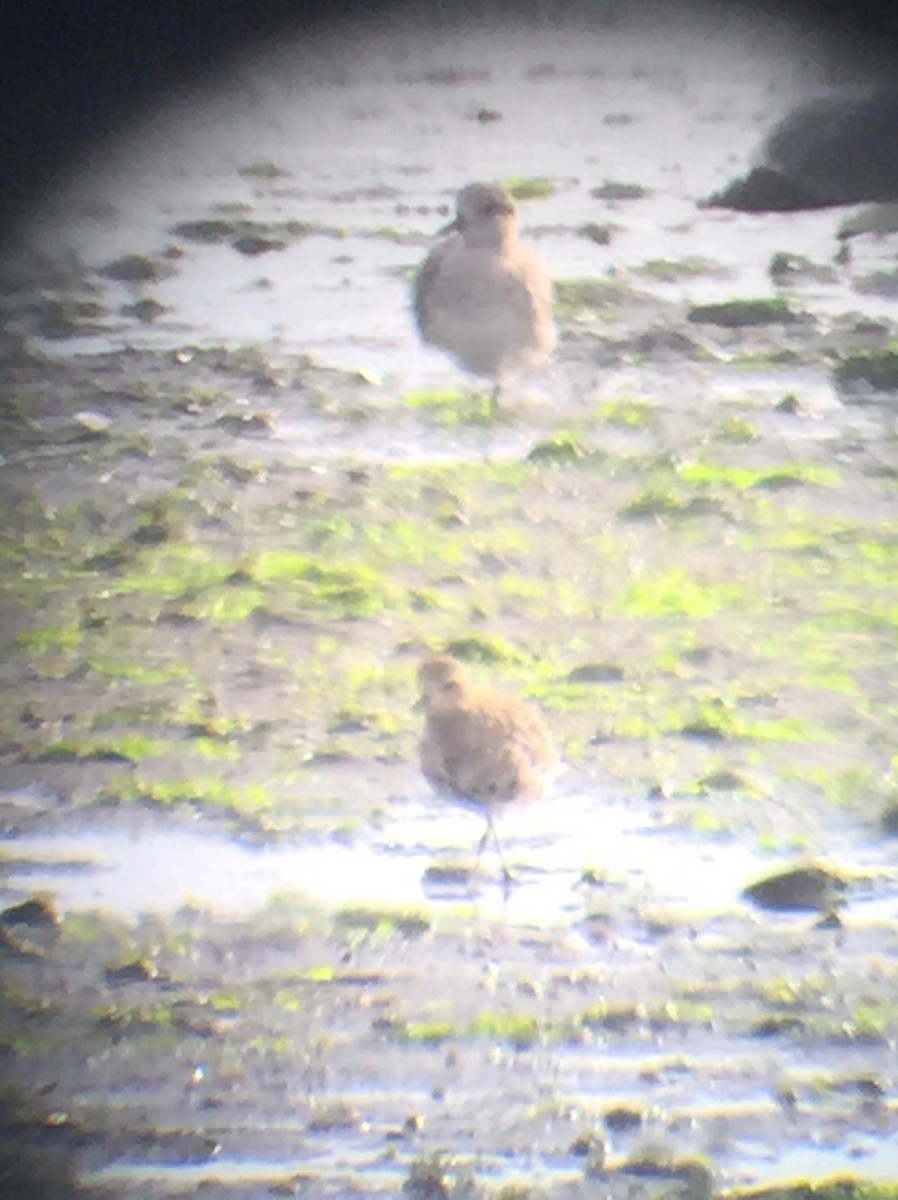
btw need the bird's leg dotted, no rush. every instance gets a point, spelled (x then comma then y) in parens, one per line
(493, 403)
(843, 254)
(492, 411)
(507, 876)
(483, 841)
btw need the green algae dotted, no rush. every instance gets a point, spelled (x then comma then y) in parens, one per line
(616, 190)
(877, 369)
(520, 1029)
(666, 270)
(577, 298)
(427, 1033)
(712, 532)
(533, 187)
(208, 791)
(627, 413)
(384, 921)
(677, 592)
(791, 474)
(450, 408)
(745, 312)
(563, 447)
(486, 650)
(836, 1187)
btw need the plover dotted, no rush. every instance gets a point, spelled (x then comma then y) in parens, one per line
(481, 295)
(481, 747)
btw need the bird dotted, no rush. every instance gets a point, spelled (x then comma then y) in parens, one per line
(834, 150)
(481, 747)
(483, 296)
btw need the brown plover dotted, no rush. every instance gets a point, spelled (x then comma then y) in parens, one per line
(481, 295)
(481, 747)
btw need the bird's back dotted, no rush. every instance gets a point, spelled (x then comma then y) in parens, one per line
(489, 749)
(492, 311)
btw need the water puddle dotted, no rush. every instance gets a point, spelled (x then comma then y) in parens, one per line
(158, 867)
(760, 1164)
(870, 1158)
(356, 1163)
(342, 290)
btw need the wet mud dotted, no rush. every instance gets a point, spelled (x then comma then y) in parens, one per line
(241, 501)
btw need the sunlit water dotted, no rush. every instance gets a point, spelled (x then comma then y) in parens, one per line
(377, 137)
(375, 147)
(875, 1159)
(159, 868)
(371, 144)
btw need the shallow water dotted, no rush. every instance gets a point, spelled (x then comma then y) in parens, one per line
(376, 153)
(377, 138)
(878, 1158)
(159, 868)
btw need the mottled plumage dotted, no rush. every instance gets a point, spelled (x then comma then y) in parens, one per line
(481, 295)
(479, 745)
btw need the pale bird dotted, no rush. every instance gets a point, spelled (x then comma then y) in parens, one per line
(481, 295)
(480, 746)
(835, 150)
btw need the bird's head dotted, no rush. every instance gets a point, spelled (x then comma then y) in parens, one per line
(485, 215)
(443, 681)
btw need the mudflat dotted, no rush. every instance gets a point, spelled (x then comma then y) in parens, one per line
(241, 505)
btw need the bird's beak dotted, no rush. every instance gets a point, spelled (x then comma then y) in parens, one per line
(450, 228)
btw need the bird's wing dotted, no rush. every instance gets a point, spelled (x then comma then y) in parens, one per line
(438, 765)
(423, 287)
(485, 754)
(459, 756)
(530, 291)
